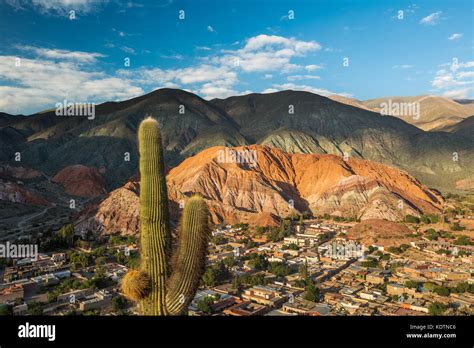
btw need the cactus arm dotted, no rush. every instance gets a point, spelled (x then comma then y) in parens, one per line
(188, 265)
(155, 232)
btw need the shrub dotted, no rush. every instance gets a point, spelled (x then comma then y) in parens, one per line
(412, 219)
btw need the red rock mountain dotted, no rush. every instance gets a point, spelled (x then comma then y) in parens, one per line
(82, 181)
(269, 183)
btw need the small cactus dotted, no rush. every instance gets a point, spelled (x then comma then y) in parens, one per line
(162, 286)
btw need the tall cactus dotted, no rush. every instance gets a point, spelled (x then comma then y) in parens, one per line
(165, 285)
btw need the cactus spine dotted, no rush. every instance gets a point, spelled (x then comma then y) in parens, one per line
(173, 281)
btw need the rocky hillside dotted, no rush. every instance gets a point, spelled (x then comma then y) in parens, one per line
(381, 232)
(293, 121)
(81, 181)
(256, 183)
(436, 112)
(464, 128)
(12, 192)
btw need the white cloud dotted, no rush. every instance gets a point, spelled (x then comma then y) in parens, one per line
(268, 53)
(457, 93)
(312, 67)
(58, 7)
(455, 36)
(466, 64)
(172, 56)
(431, 19)
(292, 86)
(445, 79)
(218, 75)
(332, 49)
(121, 33)
(403, 66)
(127, 49)
(56, 73)
(465, 74)
(211, 91)
(209, 81)
(78, 56)
(302, 77)
(40, 83)
(271, 41)
(455, 82)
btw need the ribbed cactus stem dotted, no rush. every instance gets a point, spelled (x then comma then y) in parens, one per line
(189, 264)
(154, 222)
(158, 291)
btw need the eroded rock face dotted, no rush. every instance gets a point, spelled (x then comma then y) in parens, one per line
(274, 184)
(82, 181)
(12, 192)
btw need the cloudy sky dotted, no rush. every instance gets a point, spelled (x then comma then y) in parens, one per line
(95, 51)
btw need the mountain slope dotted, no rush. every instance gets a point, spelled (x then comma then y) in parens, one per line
(191, 124)
(463, 128)
(277, 183)
(351, 131)
(435, 112)
(110, 139)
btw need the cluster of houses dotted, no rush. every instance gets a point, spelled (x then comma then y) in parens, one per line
(337, 265)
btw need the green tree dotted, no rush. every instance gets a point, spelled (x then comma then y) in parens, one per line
(303, 271)
(79, 260)
(311, 293)
(52, 296)
(429, 286)
(437, 308)
(412, 219)
(411, 284)
(291, 246)
(209, 277)
(463, 240)
(206, 302)
(215, 274)
(258, 262)
(442, 291)
(457, 227)
(35, 308)
(230, 261)
(462, 287)
(279, 269)
(5, 309)
(370, 263)
(119, 304)
(66, 233)
(431, 234)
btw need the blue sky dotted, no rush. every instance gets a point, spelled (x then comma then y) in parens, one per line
(224, 48)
